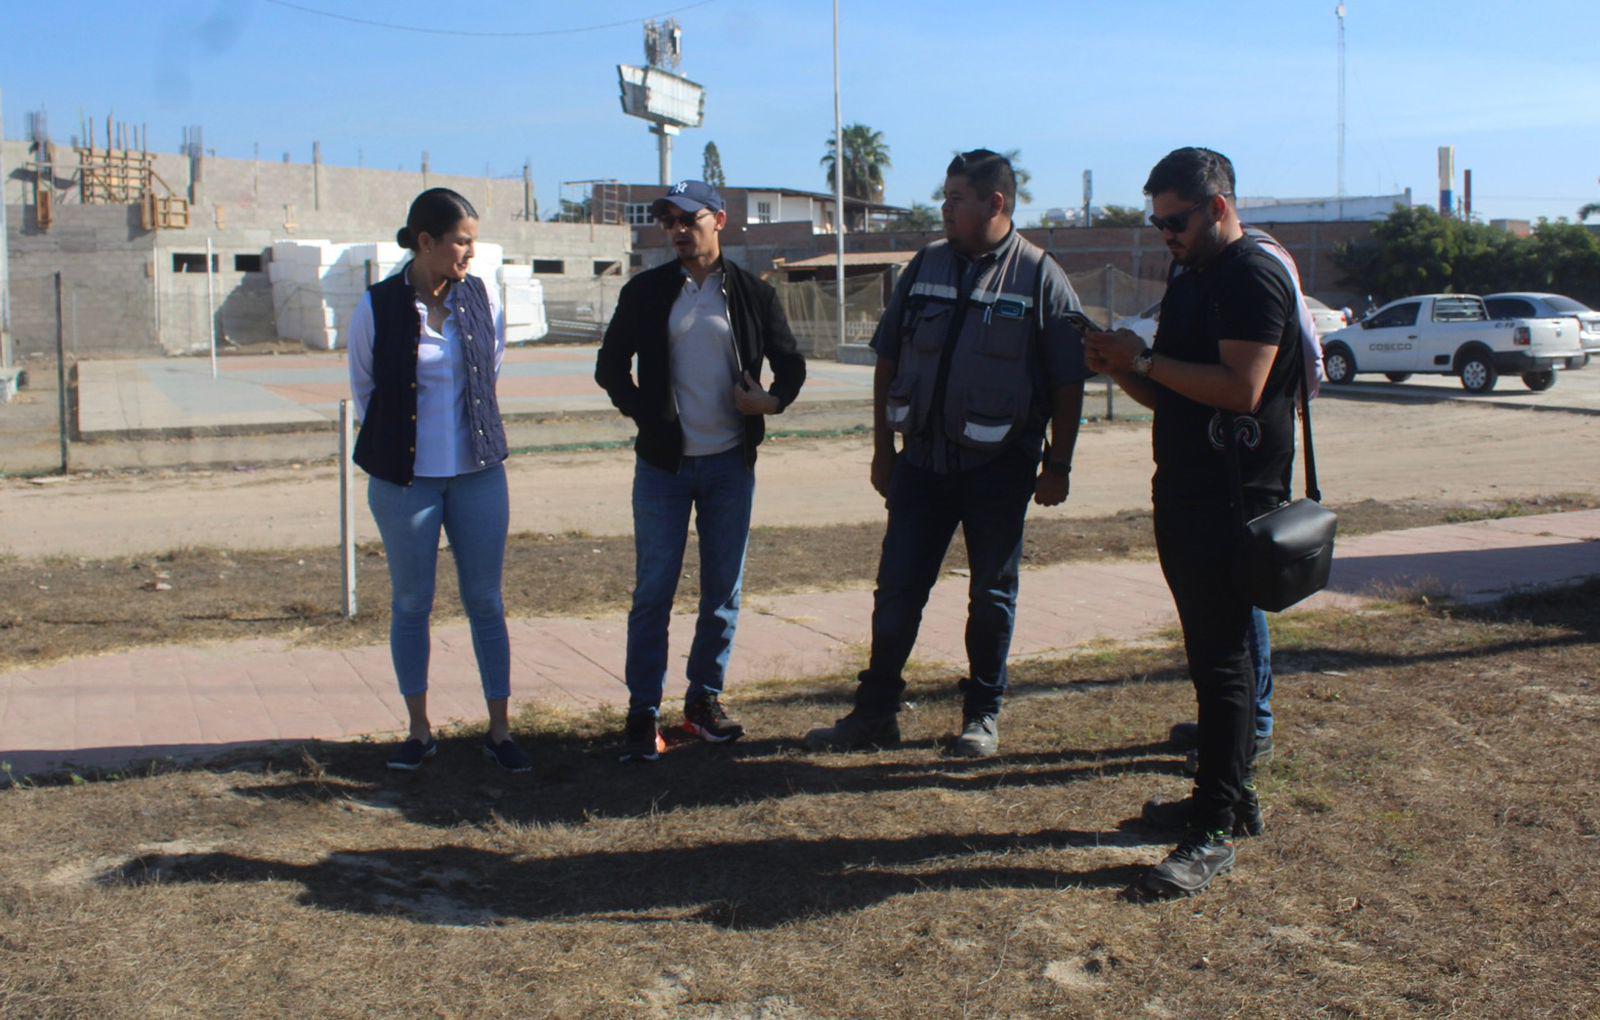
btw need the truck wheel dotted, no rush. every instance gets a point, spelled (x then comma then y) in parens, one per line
(1397, 376)
(1338, 364)
(1478, 373)
(1538, 381)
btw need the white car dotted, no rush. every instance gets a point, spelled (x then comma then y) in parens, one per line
(1144, 324)
(1327, 319)
(1452, 334)
(1529, 305)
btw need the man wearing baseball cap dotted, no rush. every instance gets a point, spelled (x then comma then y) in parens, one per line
(683, 358)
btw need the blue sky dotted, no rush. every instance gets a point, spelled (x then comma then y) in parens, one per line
(1075, 85)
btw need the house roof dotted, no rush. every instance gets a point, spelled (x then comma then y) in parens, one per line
(851, 258)
(821, 196)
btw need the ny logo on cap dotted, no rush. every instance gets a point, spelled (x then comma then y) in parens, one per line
(679, 188)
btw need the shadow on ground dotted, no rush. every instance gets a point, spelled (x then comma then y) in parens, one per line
(730, 884)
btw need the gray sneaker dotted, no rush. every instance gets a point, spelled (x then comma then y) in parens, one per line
(980, 736)
(856, 731)
(1189, 868)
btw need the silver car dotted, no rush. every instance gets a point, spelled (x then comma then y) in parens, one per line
(1531, 305)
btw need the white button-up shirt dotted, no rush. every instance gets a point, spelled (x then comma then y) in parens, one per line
(444, 443)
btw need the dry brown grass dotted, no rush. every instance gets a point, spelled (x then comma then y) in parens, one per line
(61, 608)
(1431, 851)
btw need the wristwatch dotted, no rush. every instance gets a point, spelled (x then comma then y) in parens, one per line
(1058, 467)
(1143, 362)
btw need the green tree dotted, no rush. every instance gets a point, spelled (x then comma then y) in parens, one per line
(1120, 216)
(1024, 196)
(919, 217)
(1562, 258)
(1417, 251)
(866, 157)
(1584, 212)
(1411, 252)
(711, 167)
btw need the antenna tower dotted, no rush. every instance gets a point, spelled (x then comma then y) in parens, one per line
(659, 94)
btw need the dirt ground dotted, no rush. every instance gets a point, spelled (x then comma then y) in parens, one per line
(1429, 852)
(65, 607)
(1444, 452)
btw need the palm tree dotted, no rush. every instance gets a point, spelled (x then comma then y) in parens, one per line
(866, 157)
(1024, 196)
(1587, 211)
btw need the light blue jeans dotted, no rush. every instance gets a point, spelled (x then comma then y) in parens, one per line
(474, 511)
(1261, 658)
(719, 488)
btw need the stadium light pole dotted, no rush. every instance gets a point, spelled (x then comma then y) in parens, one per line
(838, 179)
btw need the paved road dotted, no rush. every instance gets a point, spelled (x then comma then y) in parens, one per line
(1574, 391)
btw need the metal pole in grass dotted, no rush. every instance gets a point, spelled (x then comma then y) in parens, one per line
(61, 374)
(347, 506)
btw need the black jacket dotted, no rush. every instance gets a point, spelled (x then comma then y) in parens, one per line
(639, 328)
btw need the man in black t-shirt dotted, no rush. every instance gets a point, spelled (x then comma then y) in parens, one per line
(1224, 358)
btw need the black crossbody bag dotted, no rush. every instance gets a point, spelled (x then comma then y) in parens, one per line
(1284, 555)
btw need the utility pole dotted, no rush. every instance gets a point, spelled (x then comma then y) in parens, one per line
(7, 356)
(838, 176)
(1339, 12)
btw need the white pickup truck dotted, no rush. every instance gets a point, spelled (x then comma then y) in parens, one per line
(1452, 334)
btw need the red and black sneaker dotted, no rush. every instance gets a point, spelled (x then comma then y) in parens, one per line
(707, 719)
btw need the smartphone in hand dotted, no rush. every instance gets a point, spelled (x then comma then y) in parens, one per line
(1081, 322)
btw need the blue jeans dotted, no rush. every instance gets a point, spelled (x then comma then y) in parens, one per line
(990, 503)
(1261, 657)
(474, 511)
(720, 488)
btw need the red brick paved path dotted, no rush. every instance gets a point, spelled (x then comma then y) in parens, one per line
(190, 701)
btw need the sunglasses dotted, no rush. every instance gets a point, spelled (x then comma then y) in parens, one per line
(674, 222)
(1177, 223)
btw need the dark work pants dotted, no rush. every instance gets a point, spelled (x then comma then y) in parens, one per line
(990, 503)
(1195, 542)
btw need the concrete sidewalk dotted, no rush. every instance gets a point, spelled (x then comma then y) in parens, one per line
(189, 702)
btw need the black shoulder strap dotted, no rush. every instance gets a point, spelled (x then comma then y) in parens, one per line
(1231, 442)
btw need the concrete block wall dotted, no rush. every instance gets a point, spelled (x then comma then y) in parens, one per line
(107, 266)
(242, 206)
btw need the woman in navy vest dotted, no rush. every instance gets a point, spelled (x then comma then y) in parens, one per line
(425, 351)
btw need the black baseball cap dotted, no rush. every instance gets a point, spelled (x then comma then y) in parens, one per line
(690, 196)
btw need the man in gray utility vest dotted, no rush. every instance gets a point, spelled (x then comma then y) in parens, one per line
(975, 356)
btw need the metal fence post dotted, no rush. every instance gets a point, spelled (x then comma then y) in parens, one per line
(211, 304)
(61, 374)
(1111, 313)
(347, 506)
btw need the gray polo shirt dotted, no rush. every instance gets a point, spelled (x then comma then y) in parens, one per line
(704, 367)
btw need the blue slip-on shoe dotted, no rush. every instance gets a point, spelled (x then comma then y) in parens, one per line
(507, 755)
(409, 756)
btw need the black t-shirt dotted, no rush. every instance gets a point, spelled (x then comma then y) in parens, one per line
(1243, 294)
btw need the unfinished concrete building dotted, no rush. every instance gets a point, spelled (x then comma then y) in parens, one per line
(128, 229)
